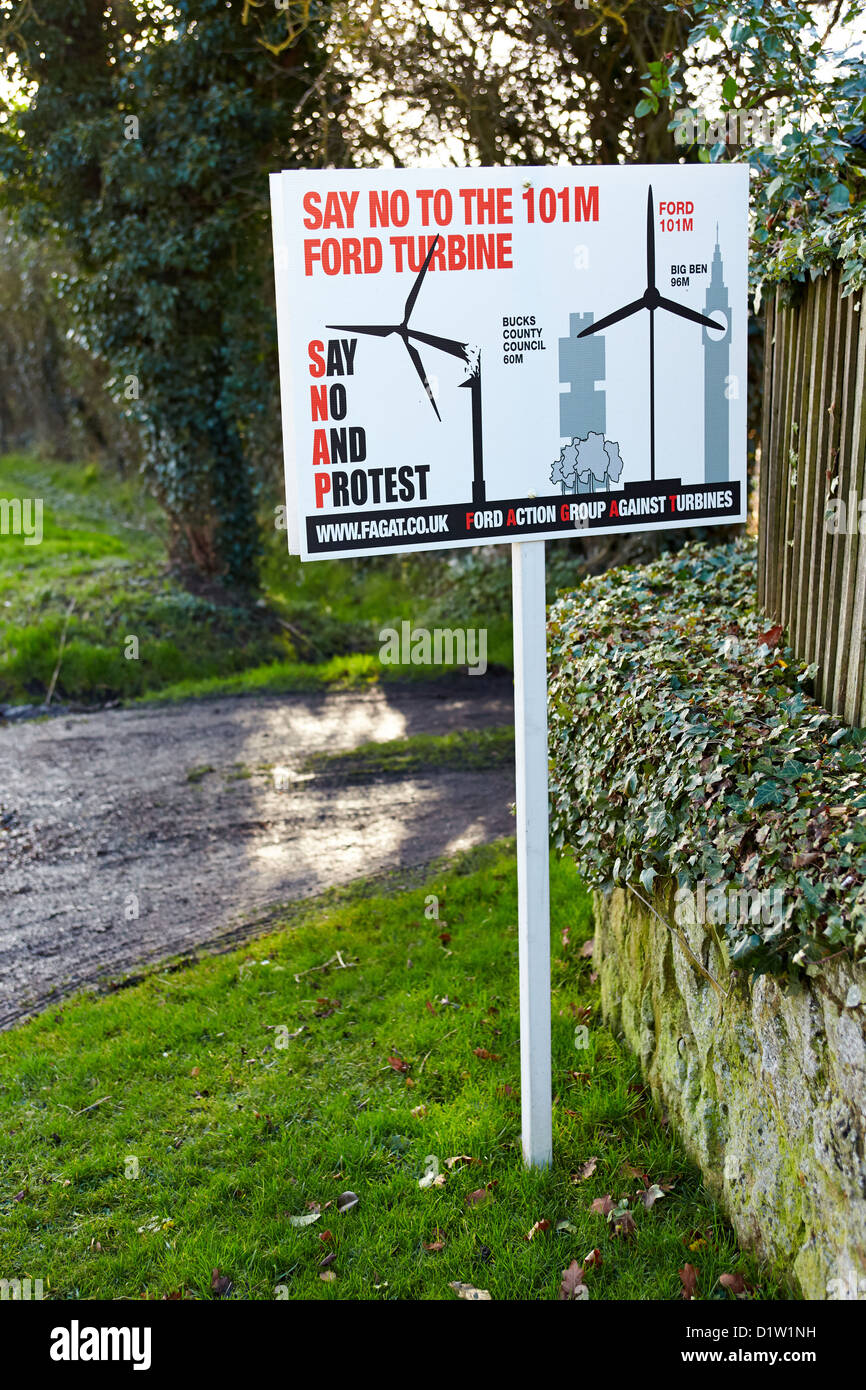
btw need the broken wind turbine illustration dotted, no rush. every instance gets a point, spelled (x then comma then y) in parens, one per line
(449, 345)
(652, 300)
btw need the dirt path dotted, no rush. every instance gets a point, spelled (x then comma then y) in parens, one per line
(107, 814)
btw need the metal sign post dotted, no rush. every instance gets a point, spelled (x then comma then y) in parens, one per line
(533, 864)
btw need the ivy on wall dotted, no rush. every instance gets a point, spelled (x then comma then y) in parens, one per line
(684, 742)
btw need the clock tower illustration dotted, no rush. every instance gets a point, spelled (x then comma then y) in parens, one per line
(717, 361)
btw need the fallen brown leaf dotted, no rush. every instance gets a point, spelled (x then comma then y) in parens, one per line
(689, 1280)
(474, 1199)
(537, 1228)
(735, 1284)
(572, 1287)
(602, 1205)
(219, 1283)
(485, 1055)
(635, 1172)
(586, 1169)
(624, 1225)
(771, 637)
(650, 1195)
(398, 1064)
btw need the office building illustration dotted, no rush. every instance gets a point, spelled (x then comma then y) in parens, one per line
(582, 408)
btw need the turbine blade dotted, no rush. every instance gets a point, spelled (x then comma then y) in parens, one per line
(379, 330)
(615, 317)
(691, 314)
(413, 293)
(444, 344)
(419, 367)
(650, 242)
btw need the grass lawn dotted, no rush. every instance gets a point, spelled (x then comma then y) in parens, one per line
(179, 1125)
(467, 748)
(99, 576)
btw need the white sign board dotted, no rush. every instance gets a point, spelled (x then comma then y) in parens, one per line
(483, 355)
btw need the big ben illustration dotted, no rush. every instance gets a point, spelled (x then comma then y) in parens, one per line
(717, 361)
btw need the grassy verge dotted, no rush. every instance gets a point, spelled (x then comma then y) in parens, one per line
(468, 748)
(98, 578)
(178, 1126)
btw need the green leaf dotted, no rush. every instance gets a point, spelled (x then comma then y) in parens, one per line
(768, 794)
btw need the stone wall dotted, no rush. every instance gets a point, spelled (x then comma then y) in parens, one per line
(766, 1086)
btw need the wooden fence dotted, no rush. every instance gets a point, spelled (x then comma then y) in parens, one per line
(811, 567)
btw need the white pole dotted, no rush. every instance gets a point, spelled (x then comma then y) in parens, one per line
(533, 865)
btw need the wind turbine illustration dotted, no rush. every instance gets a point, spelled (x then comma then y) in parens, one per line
(449, 345)
(652, 300)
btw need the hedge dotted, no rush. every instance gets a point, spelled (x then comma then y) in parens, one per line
(684, 743)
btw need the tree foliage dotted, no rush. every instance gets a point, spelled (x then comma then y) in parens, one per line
(501, 81)
(144, 144)
(797, 60)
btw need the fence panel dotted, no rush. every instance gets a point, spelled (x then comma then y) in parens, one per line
(811, 566)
